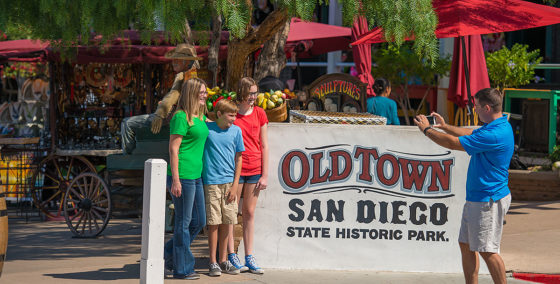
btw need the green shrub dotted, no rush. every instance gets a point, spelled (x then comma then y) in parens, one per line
(512, 68)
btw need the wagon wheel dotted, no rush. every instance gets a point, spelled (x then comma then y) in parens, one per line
(87, 205)
(51, 180)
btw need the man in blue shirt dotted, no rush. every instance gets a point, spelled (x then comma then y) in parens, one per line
(488, 195)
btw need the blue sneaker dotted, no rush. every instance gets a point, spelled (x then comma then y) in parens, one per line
(234, 259)
(252, 264)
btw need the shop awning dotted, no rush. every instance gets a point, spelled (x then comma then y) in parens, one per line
(311, 39)
(22, 50)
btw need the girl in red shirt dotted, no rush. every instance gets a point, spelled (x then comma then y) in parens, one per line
(254, 171)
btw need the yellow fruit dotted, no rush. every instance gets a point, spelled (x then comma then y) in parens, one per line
(215, 89)
(278, 93)
(260, 100)
(267, 95)
(270, 104)
(274, 98)
(279, 102)
(265, 104)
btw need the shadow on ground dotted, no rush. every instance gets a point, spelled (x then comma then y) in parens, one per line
(128, 271)
(519, 206)
(122, 237)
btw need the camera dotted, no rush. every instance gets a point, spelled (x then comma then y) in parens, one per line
(431, 119)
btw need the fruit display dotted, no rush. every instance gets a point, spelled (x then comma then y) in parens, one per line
(273, 99)
(215, 95)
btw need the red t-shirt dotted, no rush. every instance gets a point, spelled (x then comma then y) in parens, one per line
(251, 129)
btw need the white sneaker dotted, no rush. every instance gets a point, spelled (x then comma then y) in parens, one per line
(214, 270)
(228, 268)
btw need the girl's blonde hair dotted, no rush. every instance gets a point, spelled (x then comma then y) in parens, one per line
(189, 99)
(244, 86)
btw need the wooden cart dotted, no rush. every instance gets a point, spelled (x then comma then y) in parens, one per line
(66, 186)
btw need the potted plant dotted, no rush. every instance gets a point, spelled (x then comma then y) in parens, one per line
(406, 71)
(510, 68)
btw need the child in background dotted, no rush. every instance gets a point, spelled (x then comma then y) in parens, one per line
(220, 174)
(382, 105)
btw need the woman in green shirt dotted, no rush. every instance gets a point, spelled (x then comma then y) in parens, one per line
(188, 133)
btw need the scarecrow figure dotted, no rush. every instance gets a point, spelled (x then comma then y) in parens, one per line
(185, 63)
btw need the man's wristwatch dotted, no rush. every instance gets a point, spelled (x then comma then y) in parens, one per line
(426, 130)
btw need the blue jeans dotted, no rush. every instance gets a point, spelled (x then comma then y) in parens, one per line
(129, 126)
(190, 218)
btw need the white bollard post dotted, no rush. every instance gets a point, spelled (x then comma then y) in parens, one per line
(153, 222)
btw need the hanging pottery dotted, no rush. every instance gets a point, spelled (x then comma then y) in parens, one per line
(123, 77)
(96, 75)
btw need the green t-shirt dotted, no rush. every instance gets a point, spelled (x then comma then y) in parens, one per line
(192, 145)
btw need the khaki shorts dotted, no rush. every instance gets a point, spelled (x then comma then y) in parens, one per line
(482, 224)
(218, 211)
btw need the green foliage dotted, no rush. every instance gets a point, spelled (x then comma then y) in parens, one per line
(72, 22)
(16, 31)
(555, 155)
(237, 16)
(512, 68)
(400, 64)
(404, 18)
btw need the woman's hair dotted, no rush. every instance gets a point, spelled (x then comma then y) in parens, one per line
(380, 86)
(226, 106)
(189, 99)
(244, 86)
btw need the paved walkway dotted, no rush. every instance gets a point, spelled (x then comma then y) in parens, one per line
(45, 252)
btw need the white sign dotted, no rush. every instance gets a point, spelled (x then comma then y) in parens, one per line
(351, 197)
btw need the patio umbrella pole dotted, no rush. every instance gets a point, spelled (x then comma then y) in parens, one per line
(466, 66)
(298, 76)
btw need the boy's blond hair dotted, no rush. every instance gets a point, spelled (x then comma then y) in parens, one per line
(226, 106)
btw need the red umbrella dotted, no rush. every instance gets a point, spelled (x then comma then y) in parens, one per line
(316, 38)
(459, 18)
(475, 17)
(459, 89)
(362, 55)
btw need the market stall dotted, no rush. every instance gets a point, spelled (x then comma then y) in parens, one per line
(91, 95)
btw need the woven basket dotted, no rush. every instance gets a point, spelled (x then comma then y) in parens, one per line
(279, 114)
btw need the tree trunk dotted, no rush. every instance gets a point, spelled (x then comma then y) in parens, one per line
(214, 50)
(272, 58)
(187, 38)
(187, 33)
(240, 49)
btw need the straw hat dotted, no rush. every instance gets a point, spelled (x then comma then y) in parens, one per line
(183, 51)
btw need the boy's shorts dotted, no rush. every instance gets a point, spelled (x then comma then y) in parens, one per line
(482, 224)
(218, 211)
